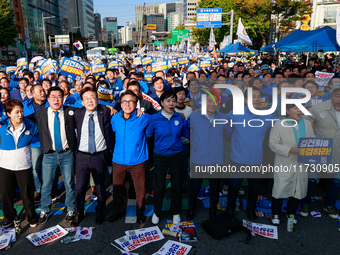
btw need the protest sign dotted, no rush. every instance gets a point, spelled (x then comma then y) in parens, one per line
(137, 61)
(5, 240)
(147, 60)
(22, 63)
(113, 64)
(183, 61)
(87, 66)
(72, 69)
(105, 94)
(315, 150)
(11, 69)
(261, 229)
(47, 67)
(205, 64)
(134, 239)
(48, 235)
(173, 248)
(98, 69)
(159, 66)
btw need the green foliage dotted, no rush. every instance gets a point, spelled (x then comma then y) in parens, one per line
(77, 34)
(8, 28)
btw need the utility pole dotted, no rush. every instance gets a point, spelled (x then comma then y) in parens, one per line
(49, 41)
(72, 37)
(231, 13)
(111, 39)
(43, 22)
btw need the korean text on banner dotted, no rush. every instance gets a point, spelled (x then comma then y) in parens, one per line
(315, 150)
(48, 68)
(172, 247)
(113, 64)
(159, 66)
(261, 229)
(22, 63)
(46, 236)
(98, 69)
(72, 69)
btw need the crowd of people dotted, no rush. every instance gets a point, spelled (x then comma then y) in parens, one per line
(149, 126)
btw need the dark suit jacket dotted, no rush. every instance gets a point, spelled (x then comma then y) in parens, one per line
(104, 119)
(40, 117)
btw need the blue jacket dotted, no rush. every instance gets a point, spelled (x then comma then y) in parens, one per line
(247, 141)
(131, 147)
(16, 155)
(168, 133)
(28, 110)
(206, 140)
(152, 89)
(70, 100)
(76, 96)
(15, 94)
(269, 89)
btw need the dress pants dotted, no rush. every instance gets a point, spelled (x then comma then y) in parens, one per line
(138, 176)
(86, 164)
(25, 182)
(163, 163)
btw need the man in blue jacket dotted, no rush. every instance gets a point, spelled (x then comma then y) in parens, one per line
(130, 153)
(207, 149)
(20, 94)
(247, 149)
(31, 106)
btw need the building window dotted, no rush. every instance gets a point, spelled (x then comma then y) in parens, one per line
(16, 3)
(330, 15)
(17, 16)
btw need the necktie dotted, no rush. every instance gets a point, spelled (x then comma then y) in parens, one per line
(57, 138)
(92, 144)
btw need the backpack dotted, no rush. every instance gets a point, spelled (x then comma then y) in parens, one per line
(223, 225)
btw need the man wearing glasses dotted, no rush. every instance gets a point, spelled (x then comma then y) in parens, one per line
(130, 153)
(94, 143)
(58, 142)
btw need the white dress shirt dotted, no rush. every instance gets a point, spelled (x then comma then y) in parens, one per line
(51, 116)
(98, 135)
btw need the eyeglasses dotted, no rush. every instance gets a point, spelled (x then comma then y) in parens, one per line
(130, 102)
(56, 97)
(90, 99)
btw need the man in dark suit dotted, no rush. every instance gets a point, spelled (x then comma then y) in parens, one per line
(143, 105)
(58, 142)
(94, 147)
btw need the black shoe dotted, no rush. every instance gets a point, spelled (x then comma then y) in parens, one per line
(7, 223)
(190, 214)
(99, 218)
(69, 216)
(251, 215)
(116, 216)
(212, 214)
(37, 198)
(77, 219)
(141, 219)
(44, 217)
(34, 222)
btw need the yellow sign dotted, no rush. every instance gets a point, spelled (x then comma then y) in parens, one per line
(304, 27)
(305, 18)
(151, 27)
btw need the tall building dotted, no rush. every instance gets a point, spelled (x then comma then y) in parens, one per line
(168, 8)
(158, 20)
(110, 31)
(149, 9)
(97, 27)
(126, 32)
(80, 14)
(174, 19)
(190, 10)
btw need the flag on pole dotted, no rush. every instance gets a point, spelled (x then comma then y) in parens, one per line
(188, 46)
(78, 45)
(182, 45)
(214, 53)
(212, 41)
(338, 27)
(242, 33)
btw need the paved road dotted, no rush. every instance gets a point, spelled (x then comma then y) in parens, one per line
(310, 236)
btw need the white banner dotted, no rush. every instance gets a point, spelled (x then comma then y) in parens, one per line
(261, 229)
(338, 27)
(137, 238)
(322, 78)
(5, 240)
(48, 235)
(172, 247)
(242, 33)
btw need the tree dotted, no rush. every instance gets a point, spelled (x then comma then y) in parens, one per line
(8, 28)
(77, 34)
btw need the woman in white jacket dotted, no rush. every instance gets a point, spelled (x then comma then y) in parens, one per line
(283, 141)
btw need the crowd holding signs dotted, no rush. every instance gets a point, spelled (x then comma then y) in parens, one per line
(164, 113)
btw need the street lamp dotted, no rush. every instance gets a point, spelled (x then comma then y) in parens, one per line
(72, 36)
(43, 20)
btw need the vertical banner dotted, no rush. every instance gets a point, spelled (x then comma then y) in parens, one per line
(338, 27)
(272, 33)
